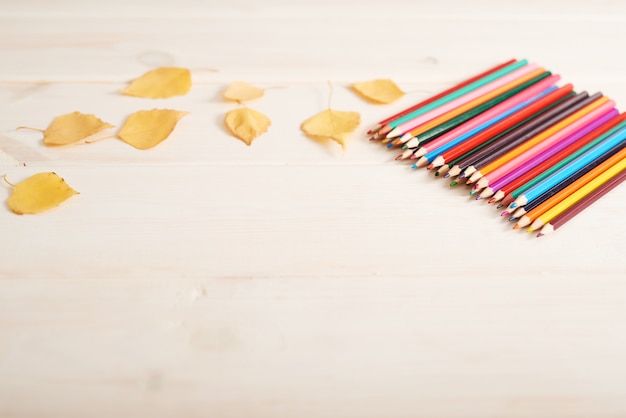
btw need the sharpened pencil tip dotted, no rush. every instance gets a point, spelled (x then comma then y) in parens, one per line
(429, 167)
(461, 176)
(500, 205)
(504, 213)
(447, 175)
(389, 145)
(516, 226)
(490, 201)
(478, 197)
(436, 173)
(513, 218)
(513, 205)
(539, 235)
(414, 166)
(454, 183)
(405, 146)
(473, 192)
(399, 157)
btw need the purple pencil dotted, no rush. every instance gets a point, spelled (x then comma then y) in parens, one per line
(502, 181)
(541, 144)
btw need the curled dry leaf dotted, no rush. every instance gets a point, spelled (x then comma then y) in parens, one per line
(332, 124)
(38, 193)
(241, 92)
(246, 124)
(379, 91)
(147, 128)
(72, 127)
(161, 83)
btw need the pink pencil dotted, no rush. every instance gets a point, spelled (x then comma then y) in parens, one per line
(414, 123)
(484, 117)
(543, 145)
(579, 135)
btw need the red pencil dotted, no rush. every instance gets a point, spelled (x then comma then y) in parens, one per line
(439, 96)
(501, 126)
(505, 192)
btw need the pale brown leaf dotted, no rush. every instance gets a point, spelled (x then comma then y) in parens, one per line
(241, 92)
(379, 91)
(161, 83)
(332, 124)
(246, 124)
(147, 128)
(38, 193)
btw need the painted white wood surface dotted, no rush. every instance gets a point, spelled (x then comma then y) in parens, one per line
(205, 278)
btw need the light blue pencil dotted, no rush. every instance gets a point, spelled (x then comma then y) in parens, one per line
(596, 152)
(429, 156)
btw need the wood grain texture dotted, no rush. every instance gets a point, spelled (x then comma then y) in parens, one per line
(289, 278)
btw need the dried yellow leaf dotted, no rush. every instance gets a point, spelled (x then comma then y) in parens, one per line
(72, 127)
(246, 124)
(161, 83)
(147, 128)
(332, 124)
(241, 92)
(38, 193)
(379, 91)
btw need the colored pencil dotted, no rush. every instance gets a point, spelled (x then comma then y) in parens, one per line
(565, 124)
(577, 195)
(447, 126)
(498, 113)
(441, 106)
(537, 211)
(444, 93)
(532, 78)
(611, 142)
(510, 198)
(567, 134)
(452, 165)
(581, 205)
(542, 166)
(502, 126)
(522, 134)
(532, 130)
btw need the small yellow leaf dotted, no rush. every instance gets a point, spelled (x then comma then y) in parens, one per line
(161, 83)
(246, 124)
(332, 124)
(38, 193)
(72, 127)
(379, 91)
(147, 128)
(241, 92)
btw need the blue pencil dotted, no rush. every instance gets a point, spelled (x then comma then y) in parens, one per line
(617, 139)
(429, 156)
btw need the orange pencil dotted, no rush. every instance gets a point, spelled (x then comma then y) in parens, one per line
(537, 139)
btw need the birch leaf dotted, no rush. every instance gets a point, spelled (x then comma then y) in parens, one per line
(161, 83)
(241, 92)
(246, 124)
(332, 124)
(147, 128)
(39, 193)
(71, 128)
(379, 91)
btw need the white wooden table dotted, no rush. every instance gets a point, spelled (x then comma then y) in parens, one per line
(204, 278)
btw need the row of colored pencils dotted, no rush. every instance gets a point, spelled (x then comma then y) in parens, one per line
(543, 152)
